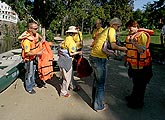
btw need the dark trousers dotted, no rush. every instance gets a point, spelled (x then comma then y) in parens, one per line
(141, 78)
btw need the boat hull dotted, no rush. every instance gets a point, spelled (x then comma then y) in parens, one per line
(8, 78)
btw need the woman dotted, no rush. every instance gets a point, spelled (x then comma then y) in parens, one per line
(138, 58)
(66, 54)
(98, 61)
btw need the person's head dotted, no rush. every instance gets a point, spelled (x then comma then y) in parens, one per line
(78, 28)
(132, 26)
(98, 23)
(71, 31)
(33, 27)
(115, 23)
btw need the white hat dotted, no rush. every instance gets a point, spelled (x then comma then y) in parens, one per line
(116, 21)
(72, 29)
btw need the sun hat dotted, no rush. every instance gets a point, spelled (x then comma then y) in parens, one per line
(72, 29)
(116, 21)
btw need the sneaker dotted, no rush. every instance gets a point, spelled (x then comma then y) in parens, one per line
(105, 107)
(32, 92)
(67, 95)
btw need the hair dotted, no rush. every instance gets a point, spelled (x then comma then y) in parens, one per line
(116, 21)
(132, 23)
(31, 23)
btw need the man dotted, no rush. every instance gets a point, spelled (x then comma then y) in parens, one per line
(162, 35)
(30, 50)
(98, 62)
(96, 31)
(138, 58)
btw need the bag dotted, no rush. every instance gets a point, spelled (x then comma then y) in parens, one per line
(107, 49)
(83, 67)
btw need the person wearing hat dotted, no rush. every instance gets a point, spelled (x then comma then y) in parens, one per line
(98, 62)
(67, 52)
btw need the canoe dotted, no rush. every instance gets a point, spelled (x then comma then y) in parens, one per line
(9, 70)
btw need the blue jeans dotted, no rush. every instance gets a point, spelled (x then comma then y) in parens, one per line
(100, 72)
(30, 75)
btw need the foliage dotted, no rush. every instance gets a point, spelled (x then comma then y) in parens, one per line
(57, 15)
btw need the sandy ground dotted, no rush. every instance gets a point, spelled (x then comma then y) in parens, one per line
(17, 104)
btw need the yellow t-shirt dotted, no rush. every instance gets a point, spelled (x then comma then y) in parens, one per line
(69, 44)
(78, 38)
(96, 32)
(26, 45)
(142, 40)
(97, 48)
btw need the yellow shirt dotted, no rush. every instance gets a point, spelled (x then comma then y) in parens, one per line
(26, 45)
(96, 32)
(78, 38)
(69, 44)
(97, 48)
(142, 40)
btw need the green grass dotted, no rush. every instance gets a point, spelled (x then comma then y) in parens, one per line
(155, 39)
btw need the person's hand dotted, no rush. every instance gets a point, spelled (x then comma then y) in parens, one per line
(80, 52)
(40, 52)
(43, 40)
(124, 49)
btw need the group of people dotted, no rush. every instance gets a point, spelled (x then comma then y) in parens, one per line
(137, 57)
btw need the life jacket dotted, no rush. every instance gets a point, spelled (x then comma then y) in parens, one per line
(34, 45)
(133, 56)
(45, 62)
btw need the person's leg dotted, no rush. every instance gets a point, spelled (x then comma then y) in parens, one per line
(67, 76)
(29, 76)
(161, 39)
(136, 100)
(99, 67)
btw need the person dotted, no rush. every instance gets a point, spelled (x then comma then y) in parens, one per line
(30, 50)
(98, 62)
(66, 54)
(79, 44)
(138, 58)
(78, 39)
(96, 31)
(162, 35)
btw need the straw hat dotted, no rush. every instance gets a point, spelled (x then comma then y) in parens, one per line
(72, 29)
(116, 21)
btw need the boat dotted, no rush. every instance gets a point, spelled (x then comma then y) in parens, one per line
(9, 71)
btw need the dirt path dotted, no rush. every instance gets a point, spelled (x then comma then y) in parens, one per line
(17, 104)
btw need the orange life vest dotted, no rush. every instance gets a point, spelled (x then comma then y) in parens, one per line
(135, 58)
(45, 62)
(34, 45)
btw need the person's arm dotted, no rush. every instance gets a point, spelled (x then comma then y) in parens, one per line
(75, 53)
(140, 47)
(112, 38)
(26, 45)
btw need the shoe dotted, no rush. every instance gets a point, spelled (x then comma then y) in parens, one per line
(76, 89)
(105, 107)
(67, 95)
(32, 92)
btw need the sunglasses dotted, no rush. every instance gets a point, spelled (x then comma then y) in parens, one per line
(35, 28)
